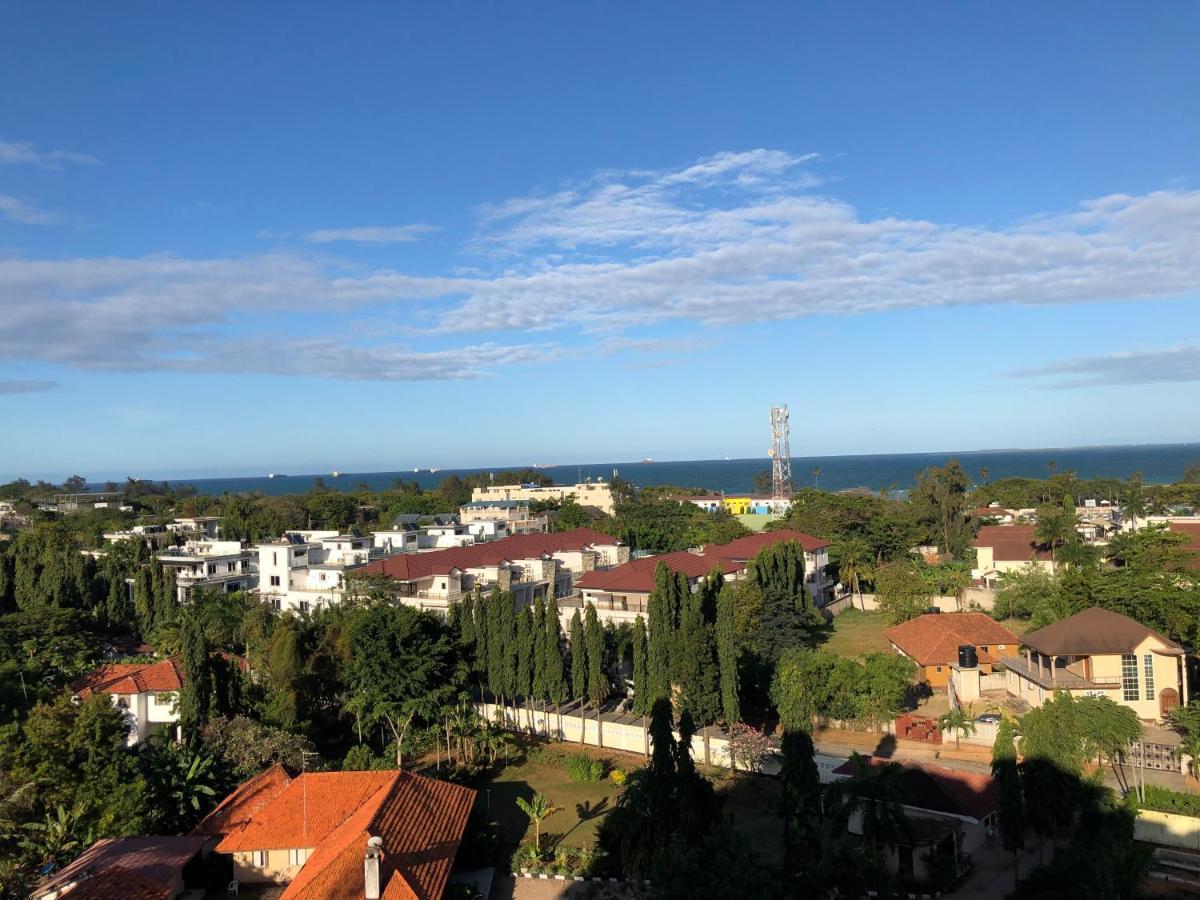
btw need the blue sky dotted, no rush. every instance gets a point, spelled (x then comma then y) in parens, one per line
(241, 238)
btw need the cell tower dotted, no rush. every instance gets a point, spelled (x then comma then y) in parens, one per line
(781, 455)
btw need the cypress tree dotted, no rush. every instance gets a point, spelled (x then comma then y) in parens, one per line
(195, 697)
(480, 609)
(496, 645)
(538, 639)
(525, 666)
(658, 658)
(800, 808)
(143, 599)
(508, 630)
(578, 659)
(639, 667)
(779, 572)
(597, 672)
(554, 673)
(727, 658)
(699, 678)
(466, 620)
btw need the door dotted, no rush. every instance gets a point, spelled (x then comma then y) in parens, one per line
(1168, 699)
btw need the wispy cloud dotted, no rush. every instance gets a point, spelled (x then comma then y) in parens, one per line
(375, 234)
(12, 386)
(734, 238)
(16, 210)
(1177, 364)
(25, 153)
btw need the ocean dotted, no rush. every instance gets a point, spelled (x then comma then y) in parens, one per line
(1158, 463)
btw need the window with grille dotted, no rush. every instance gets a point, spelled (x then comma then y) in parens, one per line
(1129, 677)
(1148, 661)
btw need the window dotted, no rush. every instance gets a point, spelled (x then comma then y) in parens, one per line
(296, 857)
(983, 648)
(274, 558)
(1148, 662)
(938, 668)
(302, 605)
(259, 858)
(212, 570)
(274, 581)
(1129, 677)
(231, 567)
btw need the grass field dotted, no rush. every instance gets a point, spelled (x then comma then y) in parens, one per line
(853, 633)
(581, 806)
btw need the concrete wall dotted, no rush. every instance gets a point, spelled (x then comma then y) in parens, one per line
(1167, 829)
(973, 598)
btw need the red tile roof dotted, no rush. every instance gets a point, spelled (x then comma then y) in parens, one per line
(421, 821)
(637, 575)
(747, 548)
(1011, 543)
(131, 678)
(933, 639)
(158, 861)
(940, 789)
(411, 566)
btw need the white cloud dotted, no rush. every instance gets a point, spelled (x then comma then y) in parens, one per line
(392, 234)
(25, 153)
(1172, 365)
(15, 210)
(13, 386)
(734, 238)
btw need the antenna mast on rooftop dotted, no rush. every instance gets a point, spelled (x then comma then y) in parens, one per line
(781, 455)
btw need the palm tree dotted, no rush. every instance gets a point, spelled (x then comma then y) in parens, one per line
(816, 474)
(1055, 526)
(875, 793)
(854, 566)
(983, 473)
(960, 721)
(537, 810)
(1134, 501)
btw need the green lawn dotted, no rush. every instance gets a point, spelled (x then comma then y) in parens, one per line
(581, 806)
(853, 633)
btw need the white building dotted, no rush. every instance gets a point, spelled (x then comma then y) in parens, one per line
(215, 565)
(147, 692)
(514, 515)
(305, 569)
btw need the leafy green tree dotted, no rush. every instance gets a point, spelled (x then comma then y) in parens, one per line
(639, 666)
(241, 747)
(901, 591)
(284, 666)
(661, 610)
(403, 668)
(886, 679)
(196, 695)
(1020, 592)
(1011, 811)
(787, 618)
(699, 669)
(940, 499)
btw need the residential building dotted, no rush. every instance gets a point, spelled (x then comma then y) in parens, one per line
(528, 565)
(305, 569)
(1098, 652)
(995, 515)
(739, 504)
(74, 502)
(10, 518)
(147, 692)
(1007, 548)
(221, 566)
(816, 557)
(131, 868)
(596, 494)
(622, 593)
(514, 514)
(310, 832)
(950, 812)
(933, 640)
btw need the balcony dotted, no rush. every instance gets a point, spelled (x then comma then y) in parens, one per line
(1056, 679)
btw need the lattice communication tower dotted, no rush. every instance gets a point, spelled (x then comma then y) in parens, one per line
(781, 455)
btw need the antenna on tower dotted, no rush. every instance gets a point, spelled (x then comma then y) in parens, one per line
(781, 456)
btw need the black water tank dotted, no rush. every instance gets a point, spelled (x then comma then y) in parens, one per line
(967, 657)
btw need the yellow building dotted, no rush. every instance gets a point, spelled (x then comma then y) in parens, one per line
(1101, 653)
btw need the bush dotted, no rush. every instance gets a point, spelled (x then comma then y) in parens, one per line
(618, 776)
(1166, 800)
(583, 768)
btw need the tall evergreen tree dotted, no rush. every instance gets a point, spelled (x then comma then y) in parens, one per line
(525, 668)
(1013, 821)
(143, 598)
(661, 637)
(578, 658)
(497, 645)
(727, 658)
(698, 674)
(597, 670)
(639, 667)
(785, 620)
(538, 639)
(508, 632)
(800, 807)
(195, 697)
(480, 609)
(554, 673)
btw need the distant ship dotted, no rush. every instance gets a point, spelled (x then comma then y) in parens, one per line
(647, 460)
(276, 475)
(335, 474)
(432, 470)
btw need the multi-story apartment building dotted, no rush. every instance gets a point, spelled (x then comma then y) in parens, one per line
(596, 494)
(215, 565)
(514, 515)
(305, 569)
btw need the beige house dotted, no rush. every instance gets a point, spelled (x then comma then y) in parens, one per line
(589, 493)
(1100, 653)
(1007, 548)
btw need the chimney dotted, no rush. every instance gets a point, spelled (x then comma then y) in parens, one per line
(372, 888)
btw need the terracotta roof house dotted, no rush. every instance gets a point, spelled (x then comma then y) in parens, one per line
(1098, 651)
(146, 691)
(134, 868)
(310, 832)
(816, 557)
(932, 642)
(528, 565)
(626, 588)
(1007, 548)
(949, 811)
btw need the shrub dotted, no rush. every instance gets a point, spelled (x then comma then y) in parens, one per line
(583, 768)
(618, 776)
(1166, 800)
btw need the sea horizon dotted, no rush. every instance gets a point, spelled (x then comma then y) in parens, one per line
(1158, 463)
